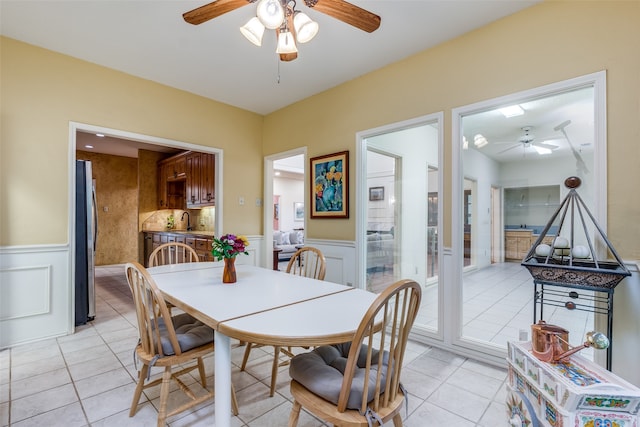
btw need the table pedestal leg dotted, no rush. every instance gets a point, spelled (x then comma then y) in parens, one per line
(222, 357)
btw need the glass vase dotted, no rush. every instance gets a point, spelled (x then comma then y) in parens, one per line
(229, 271)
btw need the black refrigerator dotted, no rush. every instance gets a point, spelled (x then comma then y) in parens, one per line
(86, 234)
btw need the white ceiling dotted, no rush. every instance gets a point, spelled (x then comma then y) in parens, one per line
(149, 39)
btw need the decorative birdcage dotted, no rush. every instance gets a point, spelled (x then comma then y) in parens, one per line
(571, 259)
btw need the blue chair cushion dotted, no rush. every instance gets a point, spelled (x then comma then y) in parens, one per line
(191, 333)
(321, 371)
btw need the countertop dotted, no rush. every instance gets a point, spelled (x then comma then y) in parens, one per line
(190, 232)
(526, 230)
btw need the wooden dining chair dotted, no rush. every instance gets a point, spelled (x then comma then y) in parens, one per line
(309, 262)
(172, 253)
(167, 342)
(358, 383)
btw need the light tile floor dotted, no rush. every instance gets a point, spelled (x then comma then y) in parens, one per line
(498, 306)
(88, 378)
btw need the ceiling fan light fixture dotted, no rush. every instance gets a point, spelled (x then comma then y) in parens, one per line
(253, 31)
(306, 28)
(286, 43)
(270, 13)
(480, 141)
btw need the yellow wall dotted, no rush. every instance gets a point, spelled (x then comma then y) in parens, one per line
(544, 44)
(43, 91)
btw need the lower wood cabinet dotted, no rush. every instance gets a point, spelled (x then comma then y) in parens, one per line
(517, 243)
(200, 242)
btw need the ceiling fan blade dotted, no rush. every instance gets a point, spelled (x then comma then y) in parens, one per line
(212, 10)
(510, 148)
(545, 145)
(347, 12)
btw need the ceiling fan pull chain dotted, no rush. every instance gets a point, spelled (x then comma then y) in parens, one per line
(278, 79)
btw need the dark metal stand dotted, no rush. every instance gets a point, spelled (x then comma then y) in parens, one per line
(600, 302)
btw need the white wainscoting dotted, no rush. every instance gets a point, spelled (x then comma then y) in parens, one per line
(255, 251)
(340, 256)
(35, 293)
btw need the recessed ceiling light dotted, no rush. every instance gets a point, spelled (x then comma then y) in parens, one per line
(100, 135)
(512, 111)
(88, 146)
(277, 173)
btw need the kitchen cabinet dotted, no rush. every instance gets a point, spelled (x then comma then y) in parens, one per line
(517, 243)
(175, 167)
(200, 188)
(171, 182)
(201, 242)
(186, 180)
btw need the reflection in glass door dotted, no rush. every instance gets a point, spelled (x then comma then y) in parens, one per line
(518, 164)
(401, 233)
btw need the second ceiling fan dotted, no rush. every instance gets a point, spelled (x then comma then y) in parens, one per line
(282, 16)
(528, 140)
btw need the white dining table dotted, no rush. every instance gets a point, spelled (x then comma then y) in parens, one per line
(264, 306)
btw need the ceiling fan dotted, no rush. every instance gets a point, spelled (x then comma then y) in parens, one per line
(338, 9)
(528, 140)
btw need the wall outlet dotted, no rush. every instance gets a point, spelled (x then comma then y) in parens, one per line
(258, 202)
(202, 221)
(241, 201)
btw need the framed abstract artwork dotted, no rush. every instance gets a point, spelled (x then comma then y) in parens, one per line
(329, 192)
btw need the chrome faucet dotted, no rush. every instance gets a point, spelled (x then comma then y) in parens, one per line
(188, 219)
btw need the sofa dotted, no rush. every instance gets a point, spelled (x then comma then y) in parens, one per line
(288, 242)
(380, 246)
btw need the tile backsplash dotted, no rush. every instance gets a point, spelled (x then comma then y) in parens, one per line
(201, 220)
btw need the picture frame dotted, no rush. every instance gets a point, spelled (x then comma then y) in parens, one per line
(376, 194)
(298, 211)
(329, 186)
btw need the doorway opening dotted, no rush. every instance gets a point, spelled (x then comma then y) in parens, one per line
(113, 149)
(285, 219)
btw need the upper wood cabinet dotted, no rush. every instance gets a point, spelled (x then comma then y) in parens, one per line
(186, 180)
(200, 180)
(171, 182)
(176, 167)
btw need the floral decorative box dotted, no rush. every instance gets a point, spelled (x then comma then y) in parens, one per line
(576, 393)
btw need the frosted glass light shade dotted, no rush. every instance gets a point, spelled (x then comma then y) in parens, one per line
(480, 141)
(306, 29)
(270, 13)
(286, 43)
(253, 31)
